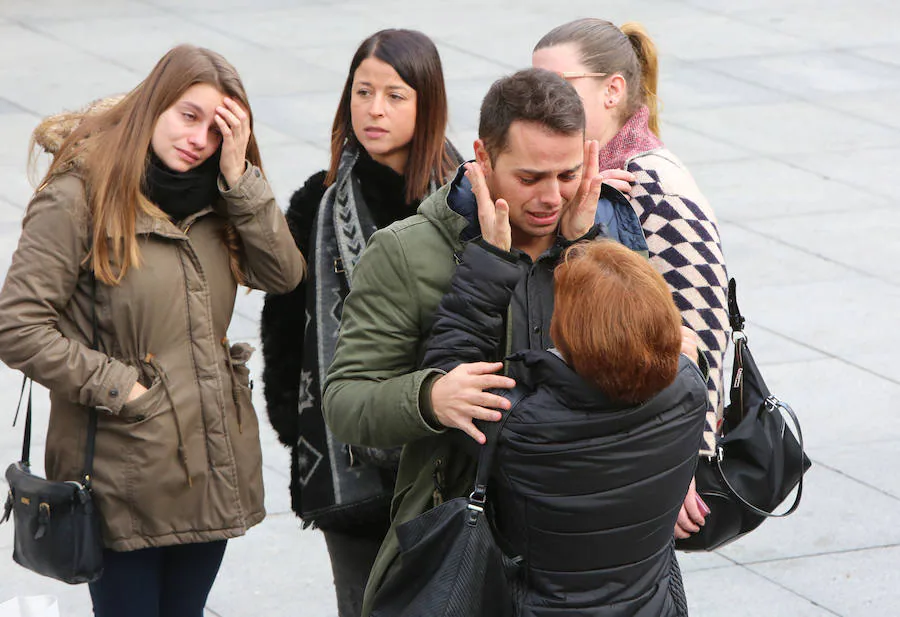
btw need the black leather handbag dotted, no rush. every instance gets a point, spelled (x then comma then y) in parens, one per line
(758, 460)
(450, 563)
(57, 526)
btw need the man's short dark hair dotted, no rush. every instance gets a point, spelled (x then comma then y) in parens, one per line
(531, 95)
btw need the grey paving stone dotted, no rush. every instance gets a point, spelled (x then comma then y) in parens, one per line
(7, 107)
(298, 26)
(786, 129)
(15, 187)
(877, 108)
(738, 592)
(293, 576)
(306, 118)
(742, 248)
(812, 73)
(878, 165)
(889, 53)
(62, 10)
(702, 85)
(288, 166)
(697, 562)
(853, 584)
(76, 80)
(703, 35)
(778, 189)
(828, 24)
(141, 40)
(864, 240)
(18, 127)
(872, 463)
(829, 520)
(829, 396)
(698, 146)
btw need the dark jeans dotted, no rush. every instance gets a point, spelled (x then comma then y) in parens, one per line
(352, 558)
(172, 581)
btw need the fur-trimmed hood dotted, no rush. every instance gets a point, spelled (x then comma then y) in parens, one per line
(53, 130)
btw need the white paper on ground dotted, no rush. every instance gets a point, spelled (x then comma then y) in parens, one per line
(30, 606)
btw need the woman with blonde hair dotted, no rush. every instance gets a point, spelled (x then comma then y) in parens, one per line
(153, 211)
(615, 70)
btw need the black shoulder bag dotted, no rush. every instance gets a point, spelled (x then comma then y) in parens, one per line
(450, 564)
(758, 459)
(57, 527)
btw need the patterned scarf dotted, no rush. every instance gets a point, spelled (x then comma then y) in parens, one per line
(635, 137)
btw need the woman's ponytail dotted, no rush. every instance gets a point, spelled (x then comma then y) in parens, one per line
(645, 49)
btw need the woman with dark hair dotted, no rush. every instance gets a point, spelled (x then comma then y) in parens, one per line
(153, 211)
(596, 457)
(615, 70)
(388, 151)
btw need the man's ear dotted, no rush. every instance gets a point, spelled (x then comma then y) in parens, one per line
(482, 158)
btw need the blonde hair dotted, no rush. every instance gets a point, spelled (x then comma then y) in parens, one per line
(111, 149)
(605, 48)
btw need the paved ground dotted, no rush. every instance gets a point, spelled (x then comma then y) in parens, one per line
(785, 110)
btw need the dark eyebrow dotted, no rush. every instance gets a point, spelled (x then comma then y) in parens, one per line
(542, 173)
(391, 87)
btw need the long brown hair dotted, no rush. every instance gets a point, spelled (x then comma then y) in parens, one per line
(417, 62)
(628, 51)
(112, 148)
(615, 322)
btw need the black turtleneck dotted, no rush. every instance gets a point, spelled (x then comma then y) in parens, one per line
(181, 194)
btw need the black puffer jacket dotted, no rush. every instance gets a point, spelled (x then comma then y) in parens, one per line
(586, 490)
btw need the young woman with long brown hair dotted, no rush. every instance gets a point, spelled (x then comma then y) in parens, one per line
(154, 210)
(616, 70)
(388, 151)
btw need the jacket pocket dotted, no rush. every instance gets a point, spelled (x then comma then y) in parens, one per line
(244, 429)
(148, 405)
(147, 489)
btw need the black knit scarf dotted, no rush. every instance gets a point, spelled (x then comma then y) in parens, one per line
(181, 194)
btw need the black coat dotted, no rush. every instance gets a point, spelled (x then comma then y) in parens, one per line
(283, 321)
(586, 489)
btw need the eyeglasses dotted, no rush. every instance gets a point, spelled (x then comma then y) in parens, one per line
(573, 75)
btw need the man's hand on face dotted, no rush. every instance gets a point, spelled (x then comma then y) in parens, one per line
(493, 216)
(459, 397)
(578, 215)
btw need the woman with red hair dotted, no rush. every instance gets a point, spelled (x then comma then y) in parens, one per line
(595, 460)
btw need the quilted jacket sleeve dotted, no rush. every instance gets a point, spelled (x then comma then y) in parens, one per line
(469, 323)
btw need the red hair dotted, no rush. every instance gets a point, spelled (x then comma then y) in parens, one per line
(615, 321)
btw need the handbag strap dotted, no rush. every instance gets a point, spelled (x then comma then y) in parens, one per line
(92, 417)
(773, 405)
(26, 441)
(491, 430)
(735, 319)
